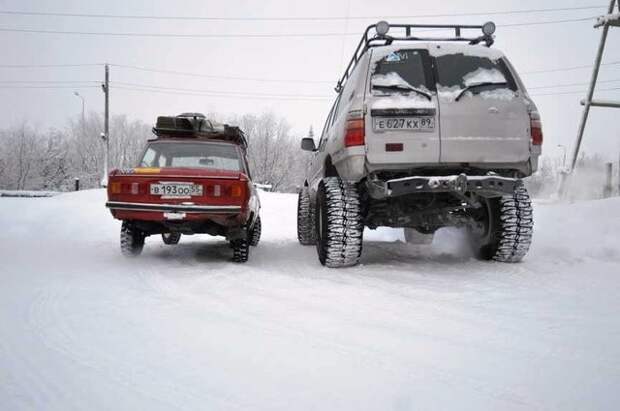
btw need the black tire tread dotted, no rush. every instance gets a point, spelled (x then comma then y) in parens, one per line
(241, 250)
(516, 226)
(305, 219)
(342, 245)
(255, 232)
(132, 240)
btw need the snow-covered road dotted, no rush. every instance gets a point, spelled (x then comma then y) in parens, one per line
(182, 327)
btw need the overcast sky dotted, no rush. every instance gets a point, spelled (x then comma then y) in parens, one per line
(299, 66)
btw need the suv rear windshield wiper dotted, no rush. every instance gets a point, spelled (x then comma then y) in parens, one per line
(476, 85)
(403, 88)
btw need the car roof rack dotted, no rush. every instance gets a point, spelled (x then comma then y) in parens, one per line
(196, 125)
(377, 35)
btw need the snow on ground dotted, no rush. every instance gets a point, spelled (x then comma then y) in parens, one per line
(183, 328)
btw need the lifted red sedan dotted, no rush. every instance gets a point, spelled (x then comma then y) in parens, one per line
(192, 179)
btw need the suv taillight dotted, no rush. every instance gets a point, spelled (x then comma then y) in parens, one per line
(355, 134)
(536, 128)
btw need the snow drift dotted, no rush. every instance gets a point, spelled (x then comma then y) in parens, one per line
(182, 327)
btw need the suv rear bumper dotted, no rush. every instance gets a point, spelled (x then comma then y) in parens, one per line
(485, 186)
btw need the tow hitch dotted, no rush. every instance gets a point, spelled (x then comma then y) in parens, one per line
(484, 186)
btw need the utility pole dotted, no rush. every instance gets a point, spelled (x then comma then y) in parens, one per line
(606, 21)
(106, 126)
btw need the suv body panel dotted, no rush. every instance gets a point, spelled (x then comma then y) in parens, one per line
(484, 131)
(331, 151)
(489, 126)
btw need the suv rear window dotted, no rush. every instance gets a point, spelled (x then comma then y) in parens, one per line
(460, 71)
(403, 68)
(192, 155)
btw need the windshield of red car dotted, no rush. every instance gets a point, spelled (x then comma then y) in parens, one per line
(192, 155)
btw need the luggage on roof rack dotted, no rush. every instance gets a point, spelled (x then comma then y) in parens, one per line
(406, 32)
(196, 125)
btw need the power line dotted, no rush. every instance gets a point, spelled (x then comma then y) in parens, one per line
(571, 84)
(29, 82)
(189, 74)
(240, 35)
(181, 73)
(50, 87)
(554, 70)
(156, 70)
(537, 23)
(49, 81)
(259, 79)
(174, 35)
(49, 65)
(573, 92)
(170, 90)
(293, 18)
(232, 93)
(252, 97)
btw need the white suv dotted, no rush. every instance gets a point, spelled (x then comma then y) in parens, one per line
(424, 133)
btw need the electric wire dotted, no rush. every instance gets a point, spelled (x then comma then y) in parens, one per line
(227, 92)
(189, 74)
(240, 35)
(45, 87)
(248, 96)
(294, 18)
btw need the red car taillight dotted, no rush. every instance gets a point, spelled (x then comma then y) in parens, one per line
(355, 135)
(234, 190)
(125, 188)
(536, 128)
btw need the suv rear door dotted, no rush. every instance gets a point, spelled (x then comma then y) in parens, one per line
(482, 116)
(401, 99)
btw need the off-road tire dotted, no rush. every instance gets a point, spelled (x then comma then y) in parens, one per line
(339, 227)
(510, 227)
(255, 233)
(241, 250)
(132, 240)
(171, 238)
(305, 219)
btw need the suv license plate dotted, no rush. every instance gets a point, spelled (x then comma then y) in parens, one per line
(404, 123)
(176, 190)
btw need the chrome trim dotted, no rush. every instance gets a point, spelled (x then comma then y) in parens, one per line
(223, 209)
(158, 176)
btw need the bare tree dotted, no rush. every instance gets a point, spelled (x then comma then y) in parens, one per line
(31, 159)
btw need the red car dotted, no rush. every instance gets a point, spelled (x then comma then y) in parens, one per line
(193, 178)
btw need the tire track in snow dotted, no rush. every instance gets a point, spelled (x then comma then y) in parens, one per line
(250, 318)
(48, 320)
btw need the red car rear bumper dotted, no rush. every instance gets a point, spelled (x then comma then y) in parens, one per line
(185, 208)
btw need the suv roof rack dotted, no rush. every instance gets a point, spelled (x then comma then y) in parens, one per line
(381, 38)
(196, 125)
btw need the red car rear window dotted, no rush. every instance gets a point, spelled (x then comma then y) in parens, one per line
(192, 155)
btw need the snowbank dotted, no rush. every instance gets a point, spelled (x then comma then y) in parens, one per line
(410, 328)
(27, 193)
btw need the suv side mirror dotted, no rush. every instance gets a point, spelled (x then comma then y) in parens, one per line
(307, 144)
